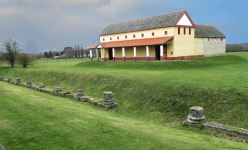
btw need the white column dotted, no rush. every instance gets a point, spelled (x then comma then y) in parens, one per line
(147, 52)
(123, 53)
(91, 54)
(113, 50)
(134, 53)
(161, 52)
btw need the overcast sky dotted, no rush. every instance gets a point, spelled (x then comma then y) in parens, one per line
(54, 24)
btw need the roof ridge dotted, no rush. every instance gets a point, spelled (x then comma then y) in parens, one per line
(148, 17)
(204, 25)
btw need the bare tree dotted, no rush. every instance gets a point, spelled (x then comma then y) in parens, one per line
(78, 49)
(9, 50)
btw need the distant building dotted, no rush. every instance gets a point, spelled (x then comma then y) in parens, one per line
(170, 36)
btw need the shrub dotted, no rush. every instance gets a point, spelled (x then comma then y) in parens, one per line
(25, 59)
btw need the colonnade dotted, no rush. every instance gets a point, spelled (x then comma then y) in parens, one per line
(123, 53)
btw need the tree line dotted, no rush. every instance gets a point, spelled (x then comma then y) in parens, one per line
(236, 47)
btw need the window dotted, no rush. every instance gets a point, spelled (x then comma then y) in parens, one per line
(118, 38)
(189, 31)
(142, 35)
(165, 32)
(214, 39)
(178, 30)
(133, 36)
(125, 37)
(221, 39)
(103, 39)
(184, 30)
(208, 39)
(110, 38)
(153, 34)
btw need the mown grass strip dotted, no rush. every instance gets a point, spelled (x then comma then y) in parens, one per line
(34, 120)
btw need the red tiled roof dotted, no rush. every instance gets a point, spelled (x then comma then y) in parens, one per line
(94, 46)
(138, 42)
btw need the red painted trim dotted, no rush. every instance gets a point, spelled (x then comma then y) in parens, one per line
(185, 57)
(134, 58)
(161, 58)
(123, 58)
(137, 58)
(193, 25)
(90, 58)
(102, 59)
(113, 58)
(147, 59)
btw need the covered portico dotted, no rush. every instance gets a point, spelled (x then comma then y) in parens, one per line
(149, 49)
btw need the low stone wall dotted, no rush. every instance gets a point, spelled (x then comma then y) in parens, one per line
(230, 130)
(107, 103)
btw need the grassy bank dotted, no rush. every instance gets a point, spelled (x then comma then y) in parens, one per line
(162, 95)
(33, 120)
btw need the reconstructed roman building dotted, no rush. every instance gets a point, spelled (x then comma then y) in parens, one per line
(170, 36)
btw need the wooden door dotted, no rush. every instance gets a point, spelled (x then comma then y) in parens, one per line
(165, 51)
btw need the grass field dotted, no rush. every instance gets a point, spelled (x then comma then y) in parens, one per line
(156, 92)
(241, 54)
(33, 120)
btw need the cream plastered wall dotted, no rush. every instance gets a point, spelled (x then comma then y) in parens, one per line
(183, 43)
(170, 48)
(214, 47)
(160, 32)
(199, 46)
(140, 52)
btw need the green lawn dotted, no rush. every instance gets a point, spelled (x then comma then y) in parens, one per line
(33, 120)
(62, 60)
(156, 92)
(241, 54)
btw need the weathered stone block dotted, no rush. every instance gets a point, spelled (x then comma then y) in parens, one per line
(99, 104)
(1, 78)
(72, 95)
(76, 97)
(106, 106)
(34, 87)
(80, 93)
(107, 96)
(230, 130)
(62, 94)
(29, 83)
(12, 82)
(84, 98)
(47, 90)
(115, 105)
(186, 123)
(22, 84)
(42, 86)
(67, 95)
(9, 79)
(196, 115)
(18, 80)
